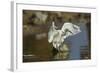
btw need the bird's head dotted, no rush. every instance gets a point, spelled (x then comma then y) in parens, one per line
(76, 29)
(71, 29)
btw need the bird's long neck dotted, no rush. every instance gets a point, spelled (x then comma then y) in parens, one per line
(53, 25)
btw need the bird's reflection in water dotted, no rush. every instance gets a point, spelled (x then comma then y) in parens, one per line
(63, 54)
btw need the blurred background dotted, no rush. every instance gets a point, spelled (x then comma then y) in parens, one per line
(36, 25)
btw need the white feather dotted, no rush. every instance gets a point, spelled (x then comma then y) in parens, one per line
(56, 37)
(69, 29)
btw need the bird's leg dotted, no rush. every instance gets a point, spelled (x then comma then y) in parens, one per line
(59, 53)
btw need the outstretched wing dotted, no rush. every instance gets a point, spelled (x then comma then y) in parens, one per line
(50, 35)
(69, 29)
(51, 32)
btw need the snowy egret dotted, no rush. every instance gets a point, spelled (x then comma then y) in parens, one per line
(57, 36)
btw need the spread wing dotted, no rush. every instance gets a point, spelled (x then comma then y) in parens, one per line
(50, 35)
(51, 32)
(69, 29)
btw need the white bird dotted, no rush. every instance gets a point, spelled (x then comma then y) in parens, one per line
(57, 36)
